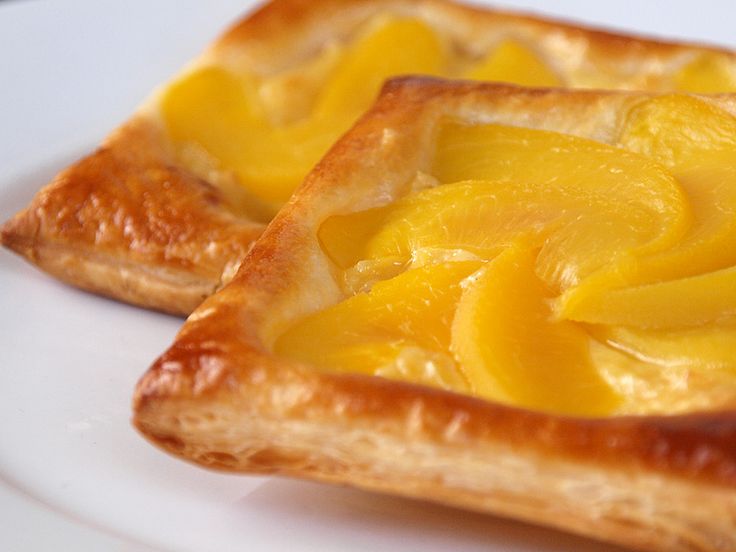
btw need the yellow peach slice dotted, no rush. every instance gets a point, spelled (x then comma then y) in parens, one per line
(511, 350)
(413, 310)
(222, 112)
(686, 302)
(510, 61)
(394, 46)
(634, 206)
(708, 73)
(591, 202)
(697, 142)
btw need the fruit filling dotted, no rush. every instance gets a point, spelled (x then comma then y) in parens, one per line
(266, 132)
(548, 271)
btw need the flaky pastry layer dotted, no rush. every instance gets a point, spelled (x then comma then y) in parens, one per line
(219, 397)
(136, 222)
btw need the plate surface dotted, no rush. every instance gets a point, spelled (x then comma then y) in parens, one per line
(73, 473)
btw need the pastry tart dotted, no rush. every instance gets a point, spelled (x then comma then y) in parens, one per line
(162, 213)
(511, 300)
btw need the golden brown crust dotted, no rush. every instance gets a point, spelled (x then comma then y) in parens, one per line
(220, 398)
(131, 221)
(126, 221)
(282, 33)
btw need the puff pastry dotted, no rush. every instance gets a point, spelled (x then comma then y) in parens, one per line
(221, 397)
(159, 215)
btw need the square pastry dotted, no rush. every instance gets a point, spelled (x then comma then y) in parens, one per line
(518, 301)
(163, 212)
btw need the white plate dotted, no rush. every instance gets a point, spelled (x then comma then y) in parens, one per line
(73, 473)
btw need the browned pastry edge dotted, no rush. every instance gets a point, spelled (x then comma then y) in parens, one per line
(131, 222)
(127, 222)
(219, 398)
(287, 18)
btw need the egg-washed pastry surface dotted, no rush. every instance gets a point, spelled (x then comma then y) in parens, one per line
(510, 300)
(163, 213)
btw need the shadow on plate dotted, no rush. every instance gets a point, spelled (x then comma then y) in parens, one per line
(365, 518)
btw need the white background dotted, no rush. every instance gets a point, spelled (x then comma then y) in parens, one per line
(73, 474)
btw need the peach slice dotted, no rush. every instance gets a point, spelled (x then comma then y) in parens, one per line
(691, 282)
(510, 61)
(407, 317)
(697, 143)
(222, 112)
(708, 73)
(686, 302)
(585, 202)
(511, 350)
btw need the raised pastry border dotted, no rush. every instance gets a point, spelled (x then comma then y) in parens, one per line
(220, 398)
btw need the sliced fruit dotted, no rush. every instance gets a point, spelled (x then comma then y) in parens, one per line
(707, 74)
(476, 216)
(697, 142)
(223, 113)
(365, 331)
(219, 112)
(510, 61)
(211, 106)
(610, 203)
(392, 46)
(591, 206)
(710, 243)
(687, 302)
(677, 130)
(511, 350)
(344, 237)
(290, 95)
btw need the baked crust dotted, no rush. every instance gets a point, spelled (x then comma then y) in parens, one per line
(134, 222)
(128, 222)
(219, 397)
